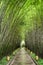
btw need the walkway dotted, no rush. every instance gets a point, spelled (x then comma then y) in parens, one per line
(22, 58)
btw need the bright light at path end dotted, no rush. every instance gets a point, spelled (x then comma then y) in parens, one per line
(22, 43)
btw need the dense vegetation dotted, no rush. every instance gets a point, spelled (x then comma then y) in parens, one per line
(34, 36)
(21, 19)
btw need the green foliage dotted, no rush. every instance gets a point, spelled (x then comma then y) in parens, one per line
(40, 61)
(4, 61)
(17, 18)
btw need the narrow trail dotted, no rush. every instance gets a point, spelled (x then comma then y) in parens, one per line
(22, 58)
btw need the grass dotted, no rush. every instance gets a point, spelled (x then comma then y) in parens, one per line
(39, 61)
(4, 60)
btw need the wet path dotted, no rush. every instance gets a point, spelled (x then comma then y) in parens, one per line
(22, 58)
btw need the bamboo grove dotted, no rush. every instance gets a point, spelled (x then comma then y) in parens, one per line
(21, 19)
